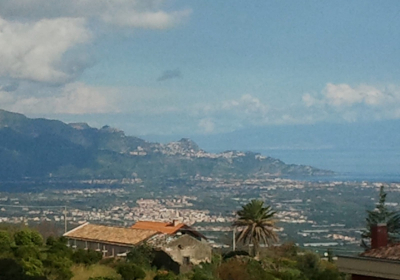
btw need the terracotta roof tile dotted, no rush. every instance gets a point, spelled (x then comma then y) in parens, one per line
(108, 234)
(167, 228)
(390, 252)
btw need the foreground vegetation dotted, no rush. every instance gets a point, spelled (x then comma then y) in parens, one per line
(25, 256)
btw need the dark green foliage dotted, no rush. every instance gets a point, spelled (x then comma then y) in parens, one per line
(86, 257)
(59, 247)
(381, 214)
(130, 271)
(27, 237)
(10, 269)
(51, 240)
(142, 255)
(5, 241)
(58, 266)
(31, 260)
(165, 276)
(25, 252)
(32, 266)
(205, 271)
(309, 264)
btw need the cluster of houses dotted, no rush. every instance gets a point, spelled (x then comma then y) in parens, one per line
(177, 246)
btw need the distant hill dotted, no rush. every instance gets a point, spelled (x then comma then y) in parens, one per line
(42, 148)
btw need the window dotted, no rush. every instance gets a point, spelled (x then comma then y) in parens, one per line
(186, 260)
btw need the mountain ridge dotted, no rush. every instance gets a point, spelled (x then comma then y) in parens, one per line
(42, 148)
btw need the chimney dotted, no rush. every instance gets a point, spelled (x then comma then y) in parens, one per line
(379, 236)
(175, 223)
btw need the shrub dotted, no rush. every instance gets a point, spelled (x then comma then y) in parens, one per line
(25, 252)
(86, 257)
(130, 271)
(165, 275)
(142, 255)
(28, 237)
(32, 267)
(5, 241)
(58, 267)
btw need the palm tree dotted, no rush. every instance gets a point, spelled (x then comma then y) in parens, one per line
(256, 225)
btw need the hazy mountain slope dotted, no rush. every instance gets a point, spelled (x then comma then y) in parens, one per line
(42, 148)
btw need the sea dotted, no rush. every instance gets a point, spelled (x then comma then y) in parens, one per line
(373, 165)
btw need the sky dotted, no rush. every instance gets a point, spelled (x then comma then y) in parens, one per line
(159, 67)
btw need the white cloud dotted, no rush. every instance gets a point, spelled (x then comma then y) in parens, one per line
(345, 95)
(353, 103)
(247, 105)
(37, 35)
(130, 13)
(34, 51)
(75, 98)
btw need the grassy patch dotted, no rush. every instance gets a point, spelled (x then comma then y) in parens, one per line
(82, 272)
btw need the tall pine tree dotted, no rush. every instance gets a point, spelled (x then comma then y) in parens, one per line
(381, 214)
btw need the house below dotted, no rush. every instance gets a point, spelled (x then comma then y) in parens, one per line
(177, 246)
(381, 262)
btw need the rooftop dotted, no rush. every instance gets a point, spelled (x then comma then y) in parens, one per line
(163, 227)
(108, 234)
(390, 252)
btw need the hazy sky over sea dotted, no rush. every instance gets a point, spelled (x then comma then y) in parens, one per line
(200, 67)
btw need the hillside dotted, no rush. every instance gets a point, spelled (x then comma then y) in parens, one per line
(42, 148)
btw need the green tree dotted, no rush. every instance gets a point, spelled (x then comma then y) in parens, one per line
(27, 237)
(58, 267)
(381, 214)
(142, 255)
(86, 257)
(5, 241)
(257, 225)
(32, 266)
(129, 271)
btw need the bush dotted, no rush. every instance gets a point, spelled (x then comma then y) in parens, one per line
(32, 267)
(142, 255)
(5, 241)
(58, 267)
(25, 252)
(86, 257)
(130, 271)
(165, 275)
(205, 271)
(243, 269)
(28, 237)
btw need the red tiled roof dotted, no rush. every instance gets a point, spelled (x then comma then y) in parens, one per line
(390, 252)
(167, 228)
